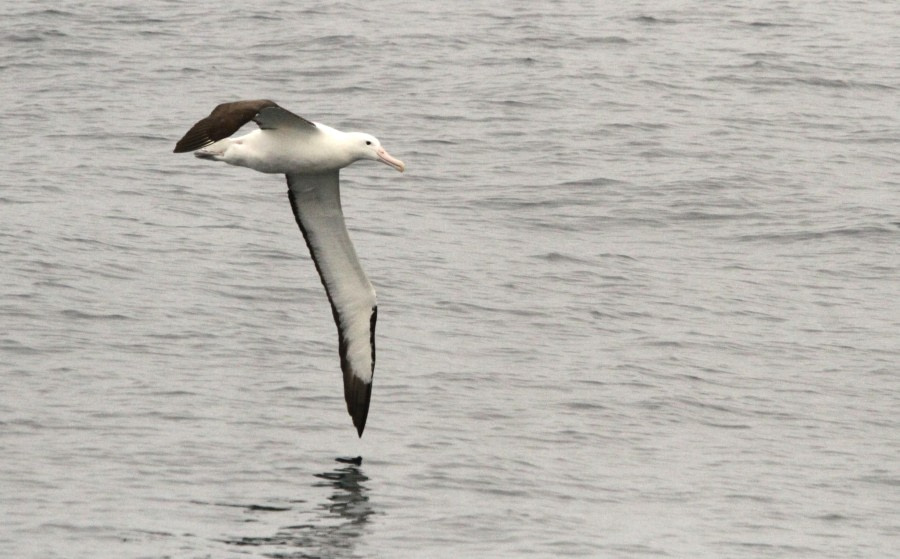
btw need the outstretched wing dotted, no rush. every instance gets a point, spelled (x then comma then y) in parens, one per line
(227, 118)
(272, 117)
(316, 201)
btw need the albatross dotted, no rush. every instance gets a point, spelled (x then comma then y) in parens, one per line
(311, 155)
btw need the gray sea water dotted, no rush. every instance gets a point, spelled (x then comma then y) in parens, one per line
(638, 288)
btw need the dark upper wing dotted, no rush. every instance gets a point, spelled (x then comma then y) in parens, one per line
(222, 122)
(316, 202)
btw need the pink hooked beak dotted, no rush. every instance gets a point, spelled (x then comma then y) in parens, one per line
(388, 159)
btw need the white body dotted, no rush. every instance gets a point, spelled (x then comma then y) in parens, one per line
(287, 152)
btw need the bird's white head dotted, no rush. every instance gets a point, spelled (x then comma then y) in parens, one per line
(369, 147)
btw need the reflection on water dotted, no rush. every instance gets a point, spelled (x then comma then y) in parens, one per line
(335, 525)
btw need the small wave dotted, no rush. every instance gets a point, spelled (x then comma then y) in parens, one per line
(596, 181)
(607, 40)
(726, 425)
(50, 12)
(700, 215)
(859, 231)
(16, 347)
(814, 81)
(841, 83)
(654, 20)
(246, 507)
(336, 40)
(646, 126)
(764, 24)
(29, 38)
(560, 257)
(891, 481)
(5, 200)
(81, 315)
(616, 255)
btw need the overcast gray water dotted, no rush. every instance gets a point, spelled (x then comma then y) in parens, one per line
(638, 288)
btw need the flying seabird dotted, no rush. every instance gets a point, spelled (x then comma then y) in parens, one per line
(311, 155)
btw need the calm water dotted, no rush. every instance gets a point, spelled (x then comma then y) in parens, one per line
(638, 289)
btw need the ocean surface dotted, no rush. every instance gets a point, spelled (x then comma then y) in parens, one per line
(639, 288)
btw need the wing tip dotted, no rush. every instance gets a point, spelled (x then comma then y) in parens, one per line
(181, 147)
(195, 138)
(358, 394)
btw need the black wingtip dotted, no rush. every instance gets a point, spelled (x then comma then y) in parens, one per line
(357, 393)
(192, 141)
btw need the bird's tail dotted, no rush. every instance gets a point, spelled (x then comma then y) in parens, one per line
(215, 152)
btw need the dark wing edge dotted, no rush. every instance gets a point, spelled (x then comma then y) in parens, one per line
(357, 392)
(222, 122)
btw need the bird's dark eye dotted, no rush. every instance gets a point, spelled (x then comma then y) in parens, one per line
(368, 143)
